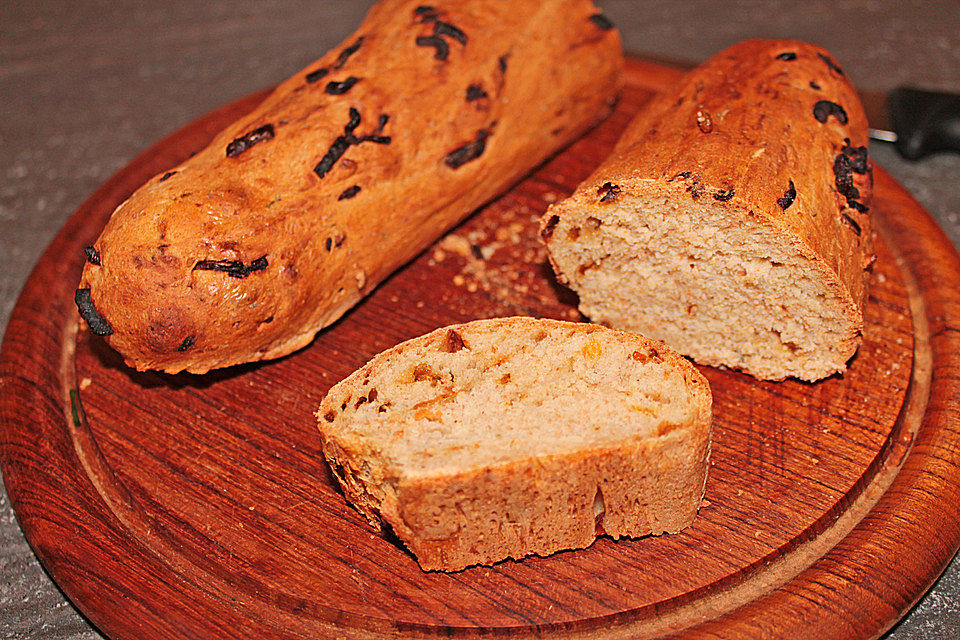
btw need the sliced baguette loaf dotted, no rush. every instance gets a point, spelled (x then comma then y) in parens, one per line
(731, 219)
(503, 438)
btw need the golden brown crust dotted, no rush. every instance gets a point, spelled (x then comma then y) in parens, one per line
(771, 130)
(347, 170)
(642, 487)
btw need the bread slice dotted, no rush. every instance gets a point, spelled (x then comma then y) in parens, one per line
(731, 220)
(503, 438)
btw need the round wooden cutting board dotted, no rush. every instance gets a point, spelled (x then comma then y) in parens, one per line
(200, 506)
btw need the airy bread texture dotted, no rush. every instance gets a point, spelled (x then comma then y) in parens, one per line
(345, 172)
(503, 438)
(731, 219)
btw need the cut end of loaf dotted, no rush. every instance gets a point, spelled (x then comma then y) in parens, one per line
(715, 282)
(503, 438)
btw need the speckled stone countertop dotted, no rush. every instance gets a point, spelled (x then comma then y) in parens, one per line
(87, 84)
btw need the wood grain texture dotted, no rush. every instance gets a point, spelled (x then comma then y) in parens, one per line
(199, 507)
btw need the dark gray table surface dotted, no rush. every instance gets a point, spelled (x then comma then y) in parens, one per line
(86, 85)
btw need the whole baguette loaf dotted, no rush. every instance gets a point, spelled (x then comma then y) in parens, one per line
(503, 438)
(731, 221)
(345, 172)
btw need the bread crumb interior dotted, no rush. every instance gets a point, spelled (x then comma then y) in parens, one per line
(488, 397)
(721, 288)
